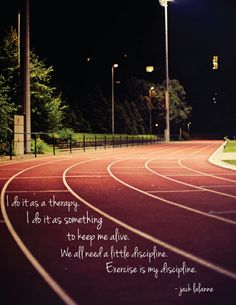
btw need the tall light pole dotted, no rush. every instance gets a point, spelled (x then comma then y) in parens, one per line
(18, 37)
(25, 74)
(188, 125)
(113, 97)
(164, 3)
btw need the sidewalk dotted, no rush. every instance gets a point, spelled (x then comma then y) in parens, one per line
(219, 155)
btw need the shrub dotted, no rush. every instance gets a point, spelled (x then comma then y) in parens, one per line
(41, 146)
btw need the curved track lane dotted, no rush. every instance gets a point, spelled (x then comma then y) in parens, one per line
(164, 199)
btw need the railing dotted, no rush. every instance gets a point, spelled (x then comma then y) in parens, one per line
(83, 143)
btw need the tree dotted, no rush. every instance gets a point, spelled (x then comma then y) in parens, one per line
(9, 67)
(48, 109)
(180, 111)
(75, 119)
(47, 105)
(7, 110)
(146, 101)
(137, 95)
(98, 112)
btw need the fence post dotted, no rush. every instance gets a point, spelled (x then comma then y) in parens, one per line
(53, 144)
(70, 144)
(84, 142)
(10, 144)
(113, 141)
(105, 142)
(120, 141)
(95, 142)
(35, 145)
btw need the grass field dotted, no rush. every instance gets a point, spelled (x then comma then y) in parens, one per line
(116, 136)
(230, 147)
(231, 162)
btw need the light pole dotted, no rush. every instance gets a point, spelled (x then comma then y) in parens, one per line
(25, 75)
(113, 97)
(157, 127)
(189, 123)
(164, 3)
(150, 110)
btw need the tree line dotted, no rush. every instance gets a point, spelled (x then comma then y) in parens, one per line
(89, 112)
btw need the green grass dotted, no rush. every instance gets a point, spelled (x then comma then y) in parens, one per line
(41, 147)
(79, 136)
(67, 133)
(230, 147)
(233, 162)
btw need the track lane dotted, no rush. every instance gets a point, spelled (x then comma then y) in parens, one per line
(92, 177)
(20, 171)
(127, 178)
(32, 259)
(149, 237)
(89, 194)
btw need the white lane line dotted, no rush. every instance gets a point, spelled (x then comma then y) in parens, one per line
(223, 174)
(99, 154)
(222, 212)
(37, 177)
(185, 183)
(171, 152)
(37, 191)
(125, 167)
(221, 163)
(13, 162)
(57, 177)
(135, 173)
(228, 221)
(71, 176)
(88, 176)
(183, 175)
(194, 175)
(202, 173)
(165, 167)
(83, 172)
(175, 191)
(44, 274)
(218, 186)
(165, 200)
(151, 238)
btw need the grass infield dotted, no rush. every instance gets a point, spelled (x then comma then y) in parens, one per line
(230, 147)
(231, 162)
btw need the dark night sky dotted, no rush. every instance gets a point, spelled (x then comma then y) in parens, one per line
(66, 33)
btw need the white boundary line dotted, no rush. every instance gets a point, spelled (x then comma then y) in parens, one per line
(222, 212)
(44, 274)
(151, 238)
(38, 191)
(202, 173)
(220, 163)
(228, 221)
(188, 184)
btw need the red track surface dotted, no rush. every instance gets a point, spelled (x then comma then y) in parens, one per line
(162, 197)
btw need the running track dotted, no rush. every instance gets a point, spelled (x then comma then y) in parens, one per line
(163, 197)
